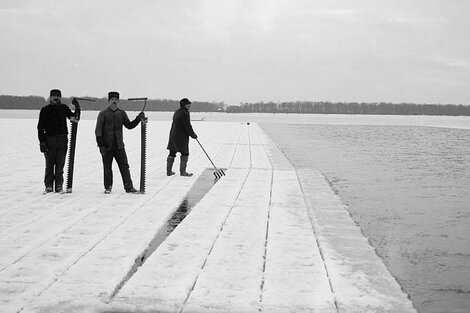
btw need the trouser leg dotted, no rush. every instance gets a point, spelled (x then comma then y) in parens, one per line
(121, 159)
(49, 170)
(50, 156)
(108, 169)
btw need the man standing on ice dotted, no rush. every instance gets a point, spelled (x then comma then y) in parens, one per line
(52, 134)
(180, 132)
(109, 137)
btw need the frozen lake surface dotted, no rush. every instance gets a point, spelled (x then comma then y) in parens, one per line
(405, 184)
(408, 188)
(265, 238)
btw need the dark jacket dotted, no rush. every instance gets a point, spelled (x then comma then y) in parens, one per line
(52, 120)
(109, 127)
(180, 131)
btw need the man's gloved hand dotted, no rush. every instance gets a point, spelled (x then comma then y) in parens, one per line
(77, 111)
(43, 147)
(103, 150)
(100, 141)
(141, 116)
(195, 136)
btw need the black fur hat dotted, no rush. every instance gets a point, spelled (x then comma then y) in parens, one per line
(184, 101)
(55, 93)
(113, 94)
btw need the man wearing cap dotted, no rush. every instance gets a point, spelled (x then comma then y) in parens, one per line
(52, 134)
(180, 132)
(109, 137)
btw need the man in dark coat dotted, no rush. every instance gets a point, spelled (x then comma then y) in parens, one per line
(109, 137)
(52, 135)
(180, 132)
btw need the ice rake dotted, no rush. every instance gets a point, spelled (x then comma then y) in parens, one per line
(218, 172)
(143, 144)
(73, 141)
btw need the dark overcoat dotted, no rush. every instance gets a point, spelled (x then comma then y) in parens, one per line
(109, 126)
(52, 120)
(180, 132)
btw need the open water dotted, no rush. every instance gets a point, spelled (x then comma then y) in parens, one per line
(408, 187)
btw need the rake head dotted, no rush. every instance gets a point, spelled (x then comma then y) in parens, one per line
(219, 173)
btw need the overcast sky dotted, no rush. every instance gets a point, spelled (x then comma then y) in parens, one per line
(239, 50)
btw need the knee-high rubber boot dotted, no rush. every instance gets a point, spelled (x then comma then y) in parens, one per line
(183, 164)
(169, 165)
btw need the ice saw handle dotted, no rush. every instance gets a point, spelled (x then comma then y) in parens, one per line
(137, 99)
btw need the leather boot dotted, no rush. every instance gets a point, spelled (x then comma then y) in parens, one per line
(183, 164)
(169, 165)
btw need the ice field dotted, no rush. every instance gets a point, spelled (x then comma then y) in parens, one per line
(266, 237)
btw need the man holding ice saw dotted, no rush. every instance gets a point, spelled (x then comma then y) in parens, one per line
(109, 137)
(52, 134)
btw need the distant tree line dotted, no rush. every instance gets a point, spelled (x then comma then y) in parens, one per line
(36, 103)
(351, 108)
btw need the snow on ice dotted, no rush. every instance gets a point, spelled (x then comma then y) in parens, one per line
(266, 237)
